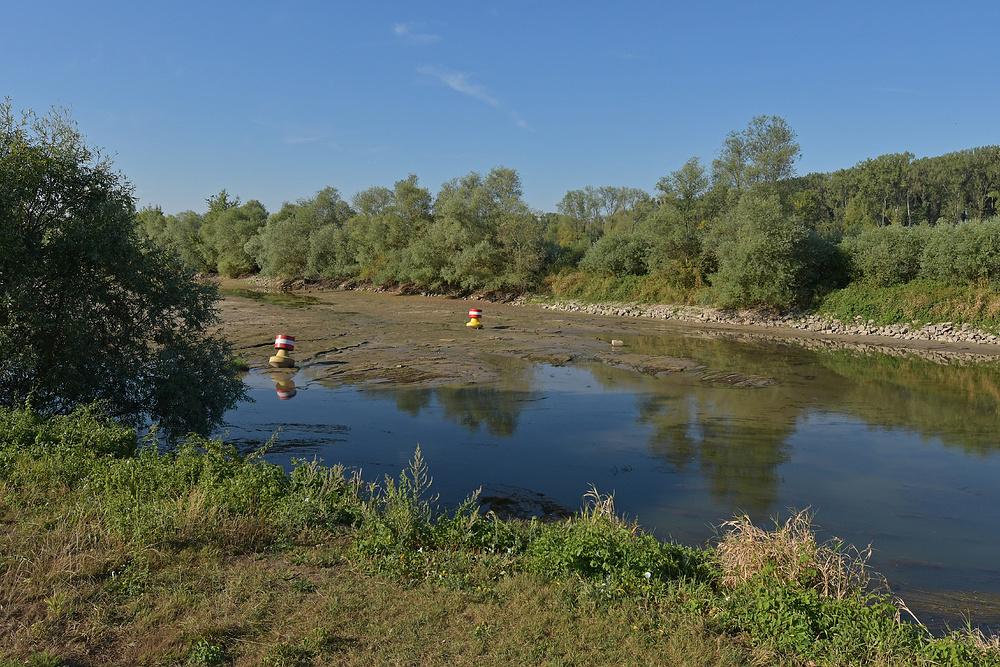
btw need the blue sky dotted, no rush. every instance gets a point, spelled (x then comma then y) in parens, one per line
(276, 100)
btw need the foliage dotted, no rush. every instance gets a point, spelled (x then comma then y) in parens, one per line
(598, 546)
(676, 246)
(283, 247)
(224, 232)
(597, 211)
(88, 311)
(716, 224)
(917, 302)
(660, 287)
(898, 189)
(962, 254)
(765, 258)
(618, 254)
(177, 233)
(398, 517)
(483, 237)
(883, 256)
(763, 154)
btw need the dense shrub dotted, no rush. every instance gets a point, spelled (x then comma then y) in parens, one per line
(883, 256)
(618, 254)
(283, 246)
(764, 257)
(959, 254)
(224, 231)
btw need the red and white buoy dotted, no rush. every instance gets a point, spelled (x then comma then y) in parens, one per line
(284, 344)
(475, 314)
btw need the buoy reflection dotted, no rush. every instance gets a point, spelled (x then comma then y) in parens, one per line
(286, 389)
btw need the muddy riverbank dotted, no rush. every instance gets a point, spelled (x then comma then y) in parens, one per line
(359, 336)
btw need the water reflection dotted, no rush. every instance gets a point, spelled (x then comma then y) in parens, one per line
(960, 404)
(736, 439)
(494, 407)
(285, 388)
(893, 450)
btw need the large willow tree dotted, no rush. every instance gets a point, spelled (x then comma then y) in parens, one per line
(88, 312)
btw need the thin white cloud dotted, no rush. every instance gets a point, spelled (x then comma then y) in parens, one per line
(459, 82)
(520, 122)
(408, 32)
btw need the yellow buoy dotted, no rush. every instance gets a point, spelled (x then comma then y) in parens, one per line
(475, 315)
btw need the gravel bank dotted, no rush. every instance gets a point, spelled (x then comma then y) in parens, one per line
(829, 324)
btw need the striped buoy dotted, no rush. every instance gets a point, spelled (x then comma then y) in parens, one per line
(284, 344)
(475, 314)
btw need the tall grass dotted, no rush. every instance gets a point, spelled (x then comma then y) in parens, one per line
(115, 552)
(653, 288)
(919, 301)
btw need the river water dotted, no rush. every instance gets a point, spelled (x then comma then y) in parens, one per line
(892, 451)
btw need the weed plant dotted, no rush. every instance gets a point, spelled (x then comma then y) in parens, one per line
(657, 287)
(113, 551)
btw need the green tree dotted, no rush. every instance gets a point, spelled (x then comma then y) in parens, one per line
(387, 222)
(178, 233)
(606, 209)
(883, 195)
(225, 230)
(762, 154)
(765, 258)
(283, 245)
(685, 189)
(89, 312)
(484, 236)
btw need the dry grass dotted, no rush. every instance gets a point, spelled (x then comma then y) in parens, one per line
(309, 606)
(790, 554)
(986, 644)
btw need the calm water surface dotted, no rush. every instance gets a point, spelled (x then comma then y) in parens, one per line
(897, 452)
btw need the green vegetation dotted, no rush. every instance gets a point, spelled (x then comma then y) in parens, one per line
(742, 232)
(117, 553)
(89, 311)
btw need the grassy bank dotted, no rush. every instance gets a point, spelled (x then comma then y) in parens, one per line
(576, 284)
(112, 552)
(921, 301)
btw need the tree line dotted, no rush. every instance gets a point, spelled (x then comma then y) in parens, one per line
(744, 229)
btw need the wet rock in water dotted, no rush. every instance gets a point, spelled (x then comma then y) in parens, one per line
(523, 505)
(738, 379)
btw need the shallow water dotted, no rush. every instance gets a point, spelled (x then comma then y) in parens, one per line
(897, 452)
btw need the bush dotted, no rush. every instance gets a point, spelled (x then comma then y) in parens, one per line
(618, 254)
(225, 230)
(598, 545)
(959, 254)
(765, 258)
(883, 256)
(284, 246)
